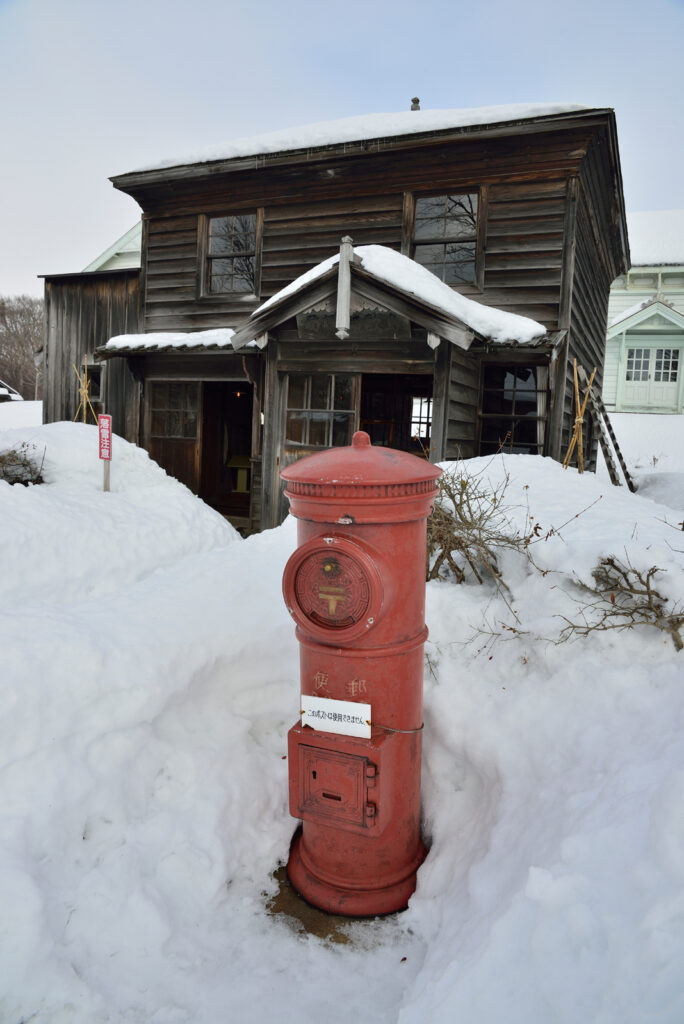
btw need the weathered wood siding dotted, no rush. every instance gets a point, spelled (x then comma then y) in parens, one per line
(524, 249)
(81, 313)
(588, 312)
(309, 207)
(464, 397)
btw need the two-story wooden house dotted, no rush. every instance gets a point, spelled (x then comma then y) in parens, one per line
(226, 370)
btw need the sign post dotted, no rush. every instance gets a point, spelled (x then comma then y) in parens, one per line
(104, 429)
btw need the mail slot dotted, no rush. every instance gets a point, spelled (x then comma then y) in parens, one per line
(355, 587)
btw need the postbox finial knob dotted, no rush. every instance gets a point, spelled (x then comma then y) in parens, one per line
(361, 439)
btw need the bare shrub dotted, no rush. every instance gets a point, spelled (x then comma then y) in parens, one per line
(20, 465)
(624, 597)
(469, 525)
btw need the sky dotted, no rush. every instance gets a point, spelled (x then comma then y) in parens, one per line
(92, 90)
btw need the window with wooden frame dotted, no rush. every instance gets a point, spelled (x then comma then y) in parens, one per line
(230, 254)
(445, 236)
(513, 410)
(173, 409)
(321, 409)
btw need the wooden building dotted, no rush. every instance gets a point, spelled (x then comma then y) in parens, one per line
(518, 209)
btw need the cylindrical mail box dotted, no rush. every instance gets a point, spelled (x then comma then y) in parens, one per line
(355, 586)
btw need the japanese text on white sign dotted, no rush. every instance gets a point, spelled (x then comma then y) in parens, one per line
(346, 717)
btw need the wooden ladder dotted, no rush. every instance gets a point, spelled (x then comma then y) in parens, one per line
(605, 430)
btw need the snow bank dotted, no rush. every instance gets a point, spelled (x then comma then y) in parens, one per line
(366, 126)
(20, 414)
(147, 520)
(144, 785)
(653, 447)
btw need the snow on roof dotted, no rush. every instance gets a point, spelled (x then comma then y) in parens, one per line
(632, 310)
(219, 338)
(408, 276)
(364, 127)
(656, 237)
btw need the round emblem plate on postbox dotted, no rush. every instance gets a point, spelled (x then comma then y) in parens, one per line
(332, 589)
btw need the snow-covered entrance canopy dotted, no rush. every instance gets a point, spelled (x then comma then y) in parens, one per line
(402, 285)
(395, 281)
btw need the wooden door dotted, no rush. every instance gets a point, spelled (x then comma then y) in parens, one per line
(172, 428)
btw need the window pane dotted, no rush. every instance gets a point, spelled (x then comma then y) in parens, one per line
(220, 245)
(295, 427)
(342, 428)
(243, 274)
(320, 391)
(174, 424)
(189, 424)
(461, 216)
(459, 262)
(159, 397)
(318, 429)
(344, 392)
(447, 217)
(176, 396)
(158, 424)
(431, 257)
(244, 232)
(192, 397)
(296, 390)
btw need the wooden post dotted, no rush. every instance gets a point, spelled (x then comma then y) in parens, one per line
(105, 481)
(343, 317)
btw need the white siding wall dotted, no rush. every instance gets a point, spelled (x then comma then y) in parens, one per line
(610, 373)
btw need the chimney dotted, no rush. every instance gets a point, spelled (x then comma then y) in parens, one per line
(415, 103)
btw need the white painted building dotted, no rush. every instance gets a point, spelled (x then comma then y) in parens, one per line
(644, 369)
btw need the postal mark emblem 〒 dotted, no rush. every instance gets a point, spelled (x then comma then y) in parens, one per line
(332, 590)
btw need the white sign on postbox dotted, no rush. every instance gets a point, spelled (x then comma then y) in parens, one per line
(346, 717)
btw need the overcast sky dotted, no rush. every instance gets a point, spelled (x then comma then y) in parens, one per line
(92, 89)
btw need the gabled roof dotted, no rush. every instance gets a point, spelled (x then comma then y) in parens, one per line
(124, 254)
(639, 317)
(403, 286)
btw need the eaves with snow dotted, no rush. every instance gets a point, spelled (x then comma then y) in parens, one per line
(366, 132)
(423, 297)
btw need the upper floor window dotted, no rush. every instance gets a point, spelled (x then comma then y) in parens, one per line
(231, 264)
(445, 236)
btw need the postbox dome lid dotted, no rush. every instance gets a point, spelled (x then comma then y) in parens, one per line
(362, 464)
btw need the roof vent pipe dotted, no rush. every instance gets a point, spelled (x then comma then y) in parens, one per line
(415, 103)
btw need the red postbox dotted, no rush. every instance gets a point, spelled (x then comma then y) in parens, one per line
(355, 586)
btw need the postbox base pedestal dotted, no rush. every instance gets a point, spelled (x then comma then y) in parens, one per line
(336, 899)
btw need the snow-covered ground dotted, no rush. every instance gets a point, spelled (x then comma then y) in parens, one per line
(149, 676)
